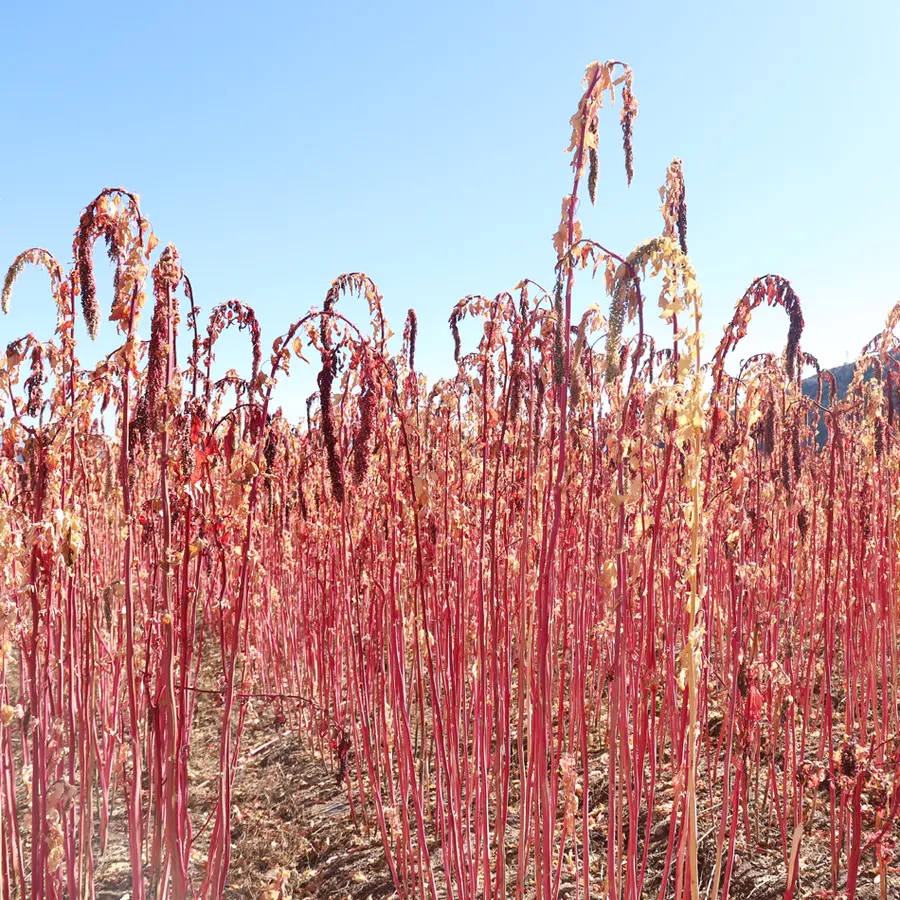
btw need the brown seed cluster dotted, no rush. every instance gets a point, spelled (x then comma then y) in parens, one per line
(629, 113)
(410, 332)
(367, 399)
(335, 472)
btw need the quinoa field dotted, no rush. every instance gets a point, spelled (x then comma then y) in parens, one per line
(604, 615)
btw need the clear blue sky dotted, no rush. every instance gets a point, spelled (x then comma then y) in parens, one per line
(280, 144)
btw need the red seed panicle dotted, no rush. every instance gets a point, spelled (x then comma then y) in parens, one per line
(367, 401)
(409, 335)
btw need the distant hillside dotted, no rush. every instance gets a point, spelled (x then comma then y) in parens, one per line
(843, 375)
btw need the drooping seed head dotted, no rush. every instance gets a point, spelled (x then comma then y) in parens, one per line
(593, 169)
(769, 428)
(558, 339)
(367, 400)
(34, 384)
(83, 248)
(325, 379)
(410, 332)
(454, 330)
(629, 114)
